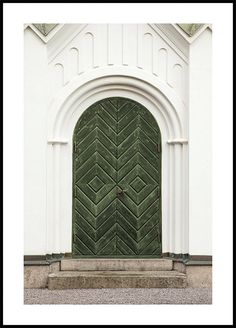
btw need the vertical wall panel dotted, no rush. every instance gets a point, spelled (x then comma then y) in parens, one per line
(88, 52)
(155, 55)
(147, 52)
(177, 79)
(162, 64)
(139, 45)
(59, 75)
(73, 62)
(99, 45)
(114, 44)
(130, 44)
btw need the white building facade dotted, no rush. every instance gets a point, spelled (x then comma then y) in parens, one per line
(158, 66)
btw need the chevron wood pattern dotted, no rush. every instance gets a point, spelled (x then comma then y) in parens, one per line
(117, 181)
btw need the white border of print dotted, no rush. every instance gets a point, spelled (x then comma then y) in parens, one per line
(15, 16)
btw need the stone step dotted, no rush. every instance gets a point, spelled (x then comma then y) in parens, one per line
(116, 265)
(116, 279)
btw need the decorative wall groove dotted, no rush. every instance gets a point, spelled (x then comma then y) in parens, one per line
(59, 70)
(62, 142)
(74, 62)
(139, 46)
(159, 30)
(88, 51)
(148, 52)
(162, 59)
(68, 35)
(177, 79)
(177, 141)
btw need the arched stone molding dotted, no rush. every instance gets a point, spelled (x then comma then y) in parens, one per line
(169, 112)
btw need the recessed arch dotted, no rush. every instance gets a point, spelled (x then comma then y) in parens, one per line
(116, 181)
(169, 112)
(167, 103)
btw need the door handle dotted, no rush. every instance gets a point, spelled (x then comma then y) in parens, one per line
(121, 192)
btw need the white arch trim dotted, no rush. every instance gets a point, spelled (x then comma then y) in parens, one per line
(165, 98)
(64, 112)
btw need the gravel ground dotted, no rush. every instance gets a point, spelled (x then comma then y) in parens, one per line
(119, 296)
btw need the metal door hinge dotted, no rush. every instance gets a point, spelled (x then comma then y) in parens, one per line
(158, 147)
(74, 147)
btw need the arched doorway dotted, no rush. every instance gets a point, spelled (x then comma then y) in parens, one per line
(116, 181)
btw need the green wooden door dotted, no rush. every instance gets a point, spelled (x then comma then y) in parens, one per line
(116, 181)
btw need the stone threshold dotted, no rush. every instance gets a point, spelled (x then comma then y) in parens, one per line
(116, 279)
(188, 260)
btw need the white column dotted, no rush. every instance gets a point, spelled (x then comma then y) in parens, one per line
(56, 197)
(185, 200)
(165, 196)
(171, 203)
(57, 207)
(178, 200)
(66, 173)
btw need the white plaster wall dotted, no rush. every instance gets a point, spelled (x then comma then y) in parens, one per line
(200, 170)
(35, 105)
